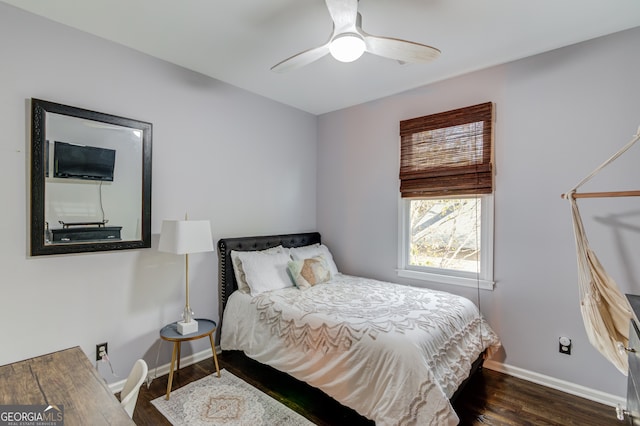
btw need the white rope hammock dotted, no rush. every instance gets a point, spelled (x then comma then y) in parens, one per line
(605, 310)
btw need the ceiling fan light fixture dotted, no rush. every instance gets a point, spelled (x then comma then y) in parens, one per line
(347, 47)
(348, 42)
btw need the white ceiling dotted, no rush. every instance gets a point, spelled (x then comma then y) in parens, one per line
(237, 41)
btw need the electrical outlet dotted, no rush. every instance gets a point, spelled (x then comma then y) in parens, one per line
(564, 345)
(101, 350)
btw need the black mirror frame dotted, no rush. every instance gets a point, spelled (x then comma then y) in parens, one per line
(38, 135)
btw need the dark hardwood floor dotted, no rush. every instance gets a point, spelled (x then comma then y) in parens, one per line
(490, 398)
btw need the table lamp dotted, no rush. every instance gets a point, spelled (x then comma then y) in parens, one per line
(185, 237)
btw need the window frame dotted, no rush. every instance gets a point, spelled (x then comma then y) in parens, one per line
(483, 280)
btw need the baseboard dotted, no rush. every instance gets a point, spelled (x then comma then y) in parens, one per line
(540, 379)
(161, 370)
(561, 385)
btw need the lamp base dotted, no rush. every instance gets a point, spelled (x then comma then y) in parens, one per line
(187, 327)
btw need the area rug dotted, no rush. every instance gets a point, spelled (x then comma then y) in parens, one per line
(227, 401)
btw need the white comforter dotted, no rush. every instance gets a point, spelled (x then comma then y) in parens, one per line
(393, 353)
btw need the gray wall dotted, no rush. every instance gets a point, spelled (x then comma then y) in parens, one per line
(559, 115)
(243, 162)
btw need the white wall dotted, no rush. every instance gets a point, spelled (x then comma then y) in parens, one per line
(243, 162)
(559, 115)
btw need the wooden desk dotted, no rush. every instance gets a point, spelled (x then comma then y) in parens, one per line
(64, 378)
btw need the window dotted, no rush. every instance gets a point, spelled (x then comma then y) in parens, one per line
(448, 240)
(446, 209)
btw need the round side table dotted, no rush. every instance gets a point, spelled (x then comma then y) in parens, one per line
(170, 333)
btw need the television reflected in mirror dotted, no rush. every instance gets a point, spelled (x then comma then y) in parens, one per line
(83, 162)
(90, 180)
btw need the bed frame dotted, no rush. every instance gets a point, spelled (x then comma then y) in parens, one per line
(227, 280)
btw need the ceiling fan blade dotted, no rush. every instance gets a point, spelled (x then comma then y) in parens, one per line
(400, 50)
(343, 13)
(301, 59)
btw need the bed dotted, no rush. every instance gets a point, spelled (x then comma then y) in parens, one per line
(396, 354)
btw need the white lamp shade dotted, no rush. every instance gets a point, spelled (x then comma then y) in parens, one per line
(185, 236)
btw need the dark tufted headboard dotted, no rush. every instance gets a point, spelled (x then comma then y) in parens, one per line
(227, 279)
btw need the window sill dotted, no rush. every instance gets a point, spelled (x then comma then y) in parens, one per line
(446, 279)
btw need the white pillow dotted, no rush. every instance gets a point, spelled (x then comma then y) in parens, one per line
(305, 252)
(265, 271)
(237, 266)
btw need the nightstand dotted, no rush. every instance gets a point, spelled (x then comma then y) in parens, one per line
(170, 333)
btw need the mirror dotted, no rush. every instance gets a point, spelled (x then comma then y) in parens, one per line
(90, 180)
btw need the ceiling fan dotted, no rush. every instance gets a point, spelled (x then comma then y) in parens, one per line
(348, 42)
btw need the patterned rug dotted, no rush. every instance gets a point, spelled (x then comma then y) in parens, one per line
(227, 401)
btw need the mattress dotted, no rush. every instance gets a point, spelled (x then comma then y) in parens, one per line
(393, 353)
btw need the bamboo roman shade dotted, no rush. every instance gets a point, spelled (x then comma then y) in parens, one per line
(449, 153)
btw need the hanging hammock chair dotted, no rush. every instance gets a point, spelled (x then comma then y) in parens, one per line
(605, 310)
